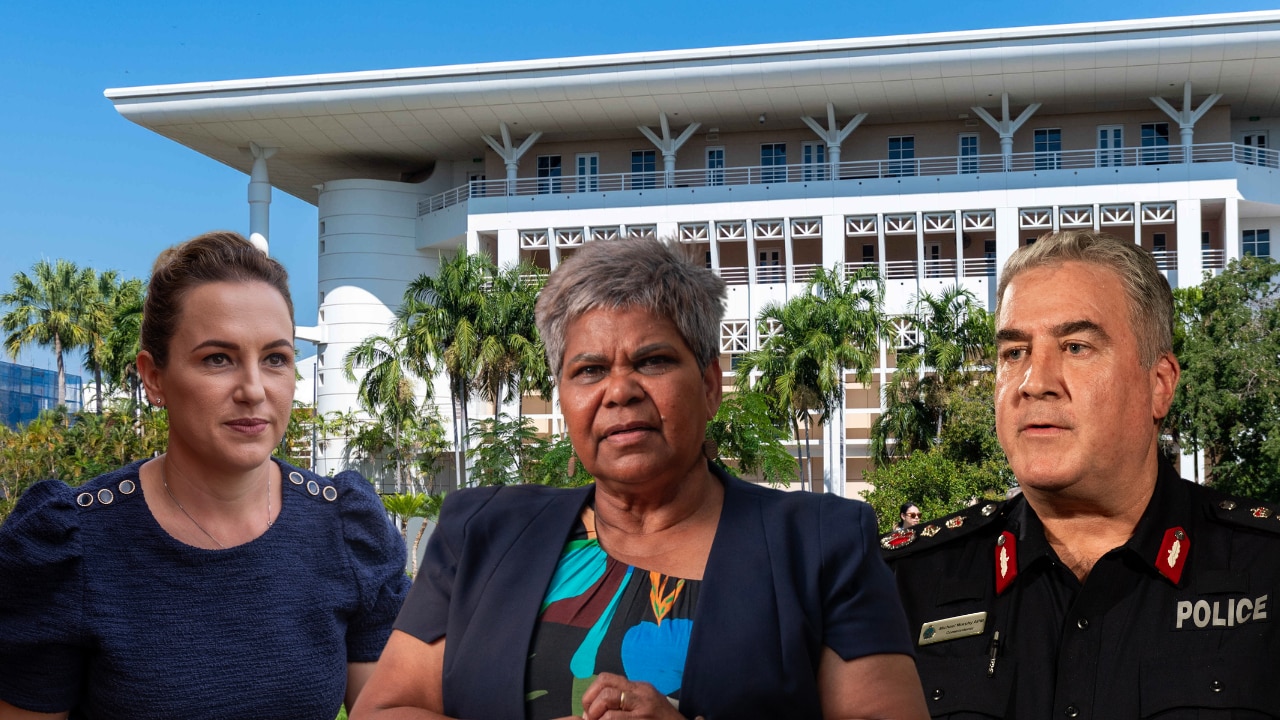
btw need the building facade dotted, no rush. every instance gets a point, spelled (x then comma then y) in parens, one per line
(929, 157)
(27, 391)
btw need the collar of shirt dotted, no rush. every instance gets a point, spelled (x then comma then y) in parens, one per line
(1169, 508)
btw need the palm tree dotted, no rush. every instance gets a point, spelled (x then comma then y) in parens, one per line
(386, 389)
(120, 362)
(408, 505)
(955, 340)
(113, 320)
(48, 308)
(512, 359)
(851, 308)
(442, 317)
(811, 342)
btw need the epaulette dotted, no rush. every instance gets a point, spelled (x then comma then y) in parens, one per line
(932, 533)
(1243, 512)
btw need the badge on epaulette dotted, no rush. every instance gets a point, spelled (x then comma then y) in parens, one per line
(1006, 560)
(898, 539)
(1172, 555)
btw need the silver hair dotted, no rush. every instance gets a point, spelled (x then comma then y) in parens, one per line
(1149, 298)
(633, 272)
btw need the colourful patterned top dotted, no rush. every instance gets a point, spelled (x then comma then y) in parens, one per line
(600, 615)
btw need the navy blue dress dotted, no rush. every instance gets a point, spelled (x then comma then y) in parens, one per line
(105, 614)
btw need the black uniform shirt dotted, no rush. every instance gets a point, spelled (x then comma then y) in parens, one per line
(1179, 622)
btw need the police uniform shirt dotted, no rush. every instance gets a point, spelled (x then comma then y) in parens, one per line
(1179, 622)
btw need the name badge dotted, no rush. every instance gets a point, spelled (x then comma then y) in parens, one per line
(952, 628)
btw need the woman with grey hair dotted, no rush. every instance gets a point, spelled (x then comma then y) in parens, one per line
(667, 588)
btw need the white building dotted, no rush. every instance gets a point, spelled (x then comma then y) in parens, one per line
(931, 157)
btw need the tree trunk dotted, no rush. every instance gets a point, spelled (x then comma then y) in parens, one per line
(97, 383)
(808, 452)
(400, 488)
(795, 433)
(62, 371)
(466, 423)
(457, 437)
(416, 541)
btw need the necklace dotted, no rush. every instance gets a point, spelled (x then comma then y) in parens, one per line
(164, 480)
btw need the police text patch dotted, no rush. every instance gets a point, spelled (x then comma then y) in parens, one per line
(1208, 614)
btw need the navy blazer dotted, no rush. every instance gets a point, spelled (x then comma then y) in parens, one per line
(788, 573)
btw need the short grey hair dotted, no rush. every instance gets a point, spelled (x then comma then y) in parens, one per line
(633, 272)
(1149, 298)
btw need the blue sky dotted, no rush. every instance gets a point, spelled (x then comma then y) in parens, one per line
(79, 182)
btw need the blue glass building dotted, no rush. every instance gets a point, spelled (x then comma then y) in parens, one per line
(27, 391)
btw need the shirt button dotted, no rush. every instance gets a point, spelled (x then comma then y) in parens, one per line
(938, 693)
(1071, 711)
(1216, 686)
(1083, 623)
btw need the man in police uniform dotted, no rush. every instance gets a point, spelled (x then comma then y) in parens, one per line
(1110, 587)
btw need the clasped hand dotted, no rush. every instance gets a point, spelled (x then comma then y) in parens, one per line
(612, 697)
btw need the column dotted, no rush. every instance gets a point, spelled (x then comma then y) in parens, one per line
(1231, 229)
(1190, 259)
(260, 197)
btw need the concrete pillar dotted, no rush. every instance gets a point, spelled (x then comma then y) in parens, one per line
(833, 242)
(508, 247)
(260, 197)
(1190, 259)
(959, 247)
(370, 257)
(920, 271)
(1007, 236)
(1231, 229)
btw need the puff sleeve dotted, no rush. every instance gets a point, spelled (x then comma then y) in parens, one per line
(42, 642)
(376, 556)
(862, 614)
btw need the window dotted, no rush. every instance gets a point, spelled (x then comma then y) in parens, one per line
(932, 256)
(813, 157)
(548, 174)
(770, 266)
(773, 162)
(644, 169)
(868, 253)
(1204, 240)
(476, 184)
(589, 172)
(1159, 243)
(1257, 243)
(989, 249)
(969, 153)
(1048, 148)
(902, 153)
(1110, 145)
(1155, 143)
(1030, 241)
(715, 166)
(1256, 150)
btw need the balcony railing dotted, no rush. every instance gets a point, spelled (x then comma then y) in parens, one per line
(856, 170)
(1213, 259)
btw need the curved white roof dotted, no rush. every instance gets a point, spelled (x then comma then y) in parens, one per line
(389, 124)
